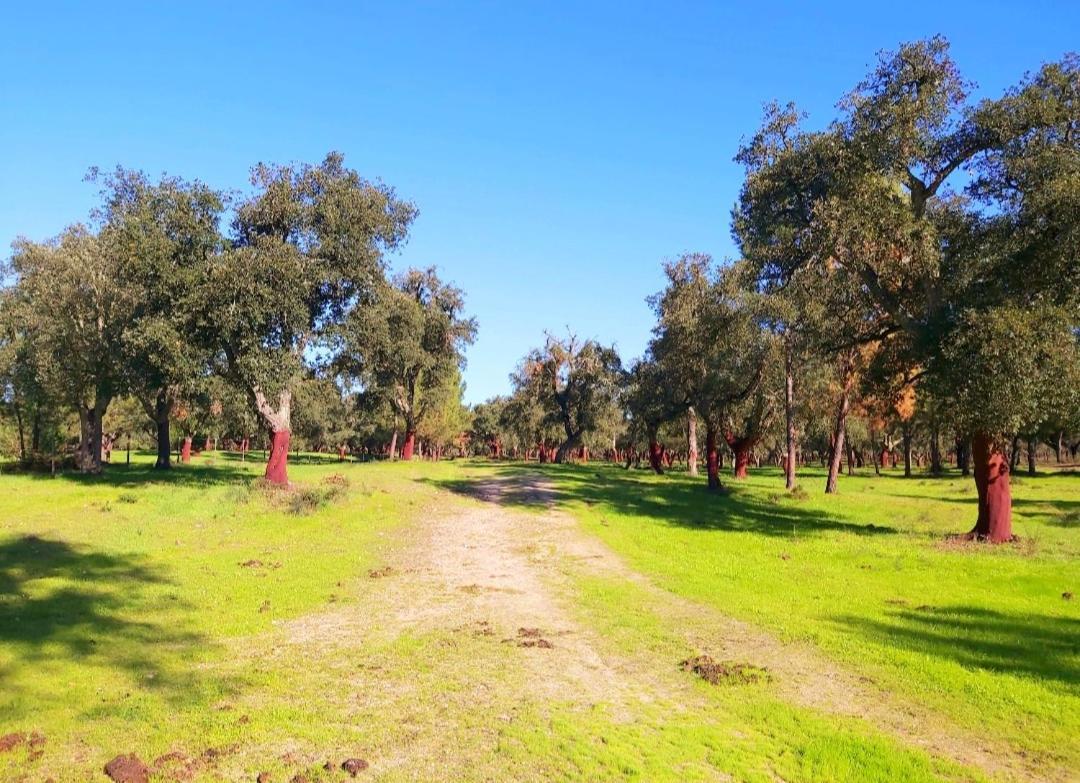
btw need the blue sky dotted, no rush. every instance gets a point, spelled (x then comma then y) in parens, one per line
(558, 152)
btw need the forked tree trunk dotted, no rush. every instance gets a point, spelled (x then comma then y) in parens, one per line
(691, 442)
(278, 421)
(712, 458)
(994, 523)
(740, 449)
(837, 452)
(847, 379)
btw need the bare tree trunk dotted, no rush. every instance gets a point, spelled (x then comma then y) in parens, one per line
(840, 428)
(278, 422)
(393, 445)
(994, 523)
(712, 457)
(88, 452)
(789, 418)
(691, 442)
(905, 432)
(1032, 445)
(963, 456)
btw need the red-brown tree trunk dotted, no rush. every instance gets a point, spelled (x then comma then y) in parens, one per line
(340, 453)
(185, 450)
(277, 464)
(740, 448)
(712, 458)
(991, 468)
(409, 446)
(543, 453)
(656, 456)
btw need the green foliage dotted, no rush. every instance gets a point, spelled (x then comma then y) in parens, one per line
(575, 385)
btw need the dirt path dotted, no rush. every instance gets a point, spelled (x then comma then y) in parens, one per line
(499, 570)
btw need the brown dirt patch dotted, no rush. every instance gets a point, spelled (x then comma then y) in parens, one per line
(127, 769)
(724, 672)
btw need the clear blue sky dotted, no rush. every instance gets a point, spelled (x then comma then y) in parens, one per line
(558, 151)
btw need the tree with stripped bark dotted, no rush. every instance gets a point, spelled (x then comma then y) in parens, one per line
(939, 259)
(307, 252)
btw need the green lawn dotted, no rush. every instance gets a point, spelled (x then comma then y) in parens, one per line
(985, 635)
(157, 615)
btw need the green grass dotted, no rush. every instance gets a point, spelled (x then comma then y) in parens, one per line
(150, 613)
(980, 634)
(121, 596)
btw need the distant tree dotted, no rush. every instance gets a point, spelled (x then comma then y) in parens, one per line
(575, 382)
(408, 344)
(709, 343)
(75, 312)
(306, 253)
(487, 430)
(165, 234)
(650, 402)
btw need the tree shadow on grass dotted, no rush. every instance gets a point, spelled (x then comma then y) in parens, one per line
(61, 604)
(1043, 647)
(674, 502)
(127, 476)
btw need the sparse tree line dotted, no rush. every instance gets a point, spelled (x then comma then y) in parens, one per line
(181, 313)
(908, 292)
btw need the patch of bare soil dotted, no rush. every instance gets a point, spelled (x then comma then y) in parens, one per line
(724, 672)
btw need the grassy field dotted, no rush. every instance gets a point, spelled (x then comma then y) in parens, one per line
(988, 636)
(218, 630)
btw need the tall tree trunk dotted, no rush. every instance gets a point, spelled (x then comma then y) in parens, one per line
(88, 452)
(905, 432)
(963, 456)
(656, 454)
(994, 522)
(712, 457)
(789, 418)
(1059, 452)
(839, 428)
(936, 468)
(1014, 454)
(278, 421)
(185, 450)
(543, 452)
(22, 437)
(1032, 445)
(393, 445)
(566, 448)
(408, 447)
(691, 442)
